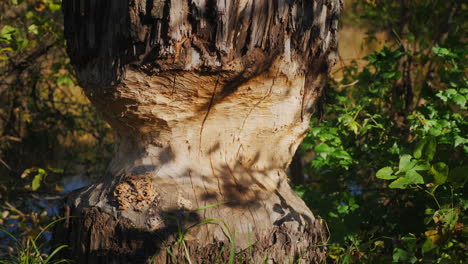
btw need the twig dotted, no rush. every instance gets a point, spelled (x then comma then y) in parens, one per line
(12, 208)
(10, 138)
(4, 163)
(348, 85)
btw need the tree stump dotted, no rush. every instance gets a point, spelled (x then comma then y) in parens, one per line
(208, 101)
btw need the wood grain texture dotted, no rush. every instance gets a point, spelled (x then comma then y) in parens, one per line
(208, 101)
(239, 36)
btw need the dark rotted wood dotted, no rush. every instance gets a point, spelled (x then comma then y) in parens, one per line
(239, 36)
(107, 239)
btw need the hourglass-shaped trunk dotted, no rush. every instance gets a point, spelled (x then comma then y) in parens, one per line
(208, 101)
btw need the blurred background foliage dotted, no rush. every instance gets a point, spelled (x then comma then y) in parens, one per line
(385, 163)
(51, 138)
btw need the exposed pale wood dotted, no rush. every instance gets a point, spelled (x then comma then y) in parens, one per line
(208, 101)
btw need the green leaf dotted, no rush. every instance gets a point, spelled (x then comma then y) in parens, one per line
(7, 32)
(400, 255)
(7, 49)
(422, 166)
(460, 141)
(453, 84)
(442, 96)
(385, 174)
(443, 52)
(446, 217)
(333, 215)
(354, 126)
(323, 149)
(30, 15)
(464, 203)
(300, 191)
(36, 182)
(394, 149)
(390, 75)
(343, 209)
(440, 172)
(55, 170)
(341, 154)
(406, 163)
(458, 176)
(409, 241)
(427, 246)
(33, 29)
(400, 183)
(65, 79)
(430, 148)
(450, 92)
(414, 177)
(54, 7)
(419, 148)
(315, 131)
(459, 100)
(425, 148)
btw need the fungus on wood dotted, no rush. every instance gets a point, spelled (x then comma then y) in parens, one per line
(208, 101)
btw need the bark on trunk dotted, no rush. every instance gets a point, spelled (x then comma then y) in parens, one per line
(208, 101)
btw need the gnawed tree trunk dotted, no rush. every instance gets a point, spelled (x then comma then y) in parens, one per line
(208, 101)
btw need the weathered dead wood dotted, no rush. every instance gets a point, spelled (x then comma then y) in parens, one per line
(208, 101)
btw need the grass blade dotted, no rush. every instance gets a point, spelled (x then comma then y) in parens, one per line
(51, 255)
